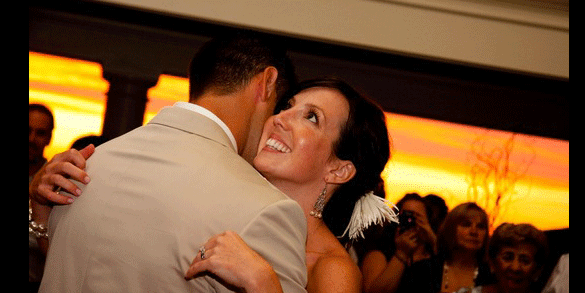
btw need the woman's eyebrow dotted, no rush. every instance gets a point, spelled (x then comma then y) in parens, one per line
(317, 108)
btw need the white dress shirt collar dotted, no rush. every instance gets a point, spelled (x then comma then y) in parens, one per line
(210, 115)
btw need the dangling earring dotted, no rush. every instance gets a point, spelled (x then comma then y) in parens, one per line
(319, 205)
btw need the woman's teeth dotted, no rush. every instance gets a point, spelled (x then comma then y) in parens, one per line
(276, 145)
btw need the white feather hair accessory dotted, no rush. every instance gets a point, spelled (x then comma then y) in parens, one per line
(369, 209)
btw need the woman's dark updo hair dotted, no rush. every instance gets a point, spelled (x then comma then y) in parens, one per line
(364, 141)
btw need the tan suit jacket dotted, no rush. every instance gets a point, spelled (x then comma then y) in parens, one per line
(156, 195)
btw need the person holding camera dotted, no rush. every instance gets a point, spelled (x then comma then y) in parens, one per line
(401, 261)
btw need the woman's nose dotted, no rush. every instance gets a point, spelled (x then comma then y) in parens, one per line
(515, 265)
(281, 119)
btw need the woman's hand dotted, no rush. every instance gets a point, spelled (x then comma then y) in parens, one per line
(406, 242)
(425, 232)
(228, 257)
(58, 173)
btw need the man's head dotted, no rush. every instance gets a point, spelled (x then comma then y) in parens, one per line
(40, 130)
(225, 65)
(240, 78)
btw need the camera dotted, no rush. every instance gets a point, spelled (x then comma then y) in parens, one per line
(406, 221)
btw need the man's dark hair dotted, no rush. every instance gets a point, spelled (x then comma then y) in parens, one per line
(224, 64)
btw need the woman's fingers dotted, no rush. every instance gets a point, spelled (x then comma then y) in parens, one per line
(201, 262)
(87, 151)
(228, 257)
(56, 175)
(199, 265)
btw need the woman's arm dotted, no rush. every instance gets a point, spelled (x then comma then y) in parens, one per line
(228, 257)
(383, 275)
(39, 214)
(426, 233)
(56, 173)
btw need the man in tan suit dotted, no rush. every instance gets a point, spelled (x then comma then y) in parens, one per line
(160, 191)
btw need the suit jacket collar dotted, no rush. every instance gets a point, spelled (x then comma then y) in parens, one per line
(192, 122)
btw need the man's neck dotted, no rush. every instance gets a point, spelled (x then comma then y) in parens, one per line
(234, 110)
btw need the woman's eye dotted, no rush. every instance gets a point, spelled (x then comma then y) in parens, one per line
(313, 117)
(465, 224)
(525, 260)
(507, 256)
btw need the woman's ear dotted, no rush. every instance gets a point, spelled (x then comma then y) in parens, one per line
(341, 171)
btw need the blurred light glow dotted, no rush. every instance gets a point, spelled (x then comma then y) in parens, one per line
(168, 90)
(74, 90)
(431, 156)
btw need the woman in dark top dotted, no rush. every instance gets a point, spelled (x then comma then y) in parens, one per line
(392, 262)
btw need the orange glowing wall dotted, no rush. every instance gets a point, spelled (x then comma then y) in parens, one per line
(427, 157)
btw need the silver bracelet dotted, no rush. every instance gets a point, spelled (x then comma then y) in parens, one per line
(38, 230)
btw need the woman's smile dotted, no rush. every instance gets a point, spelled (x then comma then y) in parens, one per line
(276, 145)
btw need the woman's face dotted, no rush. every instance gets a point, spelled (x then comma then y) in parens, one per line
(515, 267)
(417, 208)
(296, 144)
(39, 133)
(471, 232)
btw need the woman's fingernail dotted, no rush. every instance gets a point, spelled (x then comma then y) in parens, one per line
(86, 180)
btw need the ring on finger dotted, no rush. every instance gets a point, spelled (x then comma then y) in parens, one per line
(202, 251)
(58, 190)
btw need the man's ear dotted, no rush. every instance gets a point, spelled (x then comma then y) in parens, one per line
(268, 84)
(341, 171)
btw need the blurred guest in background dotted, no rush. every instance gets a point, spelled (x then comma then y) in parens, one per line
(40, 131)
(437, 210)
(517, 254)
(558, 281)
(462, 243)
(400, 260)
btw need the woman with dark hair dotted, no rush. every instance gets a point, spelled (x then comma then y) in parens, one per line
(398, 260)
(362, 141)
(325, 147)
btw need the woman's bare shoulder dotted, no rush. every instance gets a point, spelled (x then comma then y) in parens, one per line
(335, 272)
